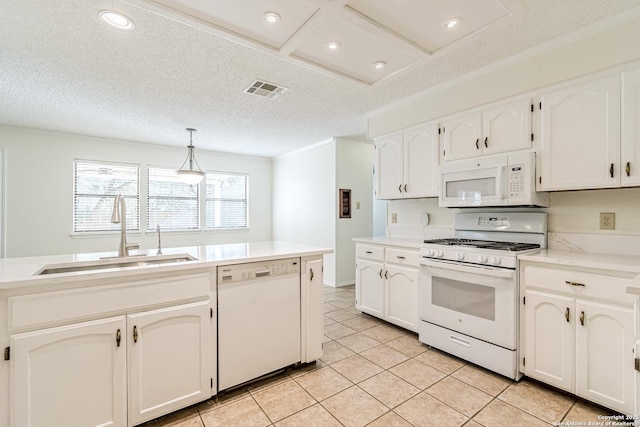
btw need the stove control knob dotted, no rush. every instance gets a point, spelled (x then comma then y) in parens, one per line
(439, 254)
(459, 256)
(494, 260)
(430, 252)
(482, 259)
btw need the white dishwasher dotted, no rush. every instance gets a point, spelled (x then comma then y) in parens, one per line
(258, 319)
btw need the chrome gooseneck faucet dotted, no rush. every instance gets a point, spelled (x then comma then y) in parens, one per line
(119, 215)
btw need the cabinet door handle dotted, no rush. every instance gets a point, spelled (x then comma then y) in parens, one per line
(400, 188)
(118, 337)
(385, 274)
(399, 257)
(582, 318)
(135, 333)
(567, 314)
(611, 170)
(477, 143)
(380, 274)
(485, 142)
(628, 169)
(574, 283)
(311, 274)
(405, 188)
(368, 252)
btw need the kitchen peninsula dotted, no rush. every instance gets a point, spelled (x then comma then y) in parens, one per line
(122, 340)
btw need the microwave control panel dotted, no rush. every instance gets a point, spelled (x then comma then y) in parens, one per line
(516, 181)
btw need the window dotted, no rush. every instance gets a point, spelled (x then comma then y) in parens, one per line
(95, 186)
(172, 204)
(226, 200)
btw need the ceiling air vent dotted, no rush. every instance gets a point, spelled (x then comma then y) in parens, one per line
(265, 90)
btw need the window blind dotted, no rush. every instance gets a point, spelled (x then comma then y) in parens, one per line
(95, 186)
(172, 204)
(226, 200)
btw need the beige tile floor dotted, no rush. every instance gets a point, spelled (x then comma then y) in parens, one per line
(375, 374)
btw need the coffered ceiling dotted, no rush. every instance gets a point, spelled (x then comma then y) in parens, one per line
(200, 63)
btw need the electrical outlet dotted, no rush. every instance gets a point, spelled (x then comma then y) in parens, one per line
(394, 218)
(607, 220)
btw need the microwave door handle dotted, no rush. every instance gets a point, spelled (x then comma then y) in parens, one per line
(500, 188)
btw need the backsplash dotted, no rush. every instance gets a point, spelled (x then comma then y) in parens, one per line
(573, 219)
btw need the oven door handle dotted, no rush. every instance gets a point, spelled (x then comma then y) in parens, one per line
(465, 268)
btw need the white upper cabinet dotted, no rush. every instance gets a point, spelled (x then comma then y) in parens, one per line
(507, 127)
(630, 153)
(495, 129)
(580, 145)
(462, 136)
(389, 167)
(407, 164)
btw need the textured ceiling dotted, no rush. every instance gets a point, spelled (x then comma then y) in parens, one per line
(64, 70)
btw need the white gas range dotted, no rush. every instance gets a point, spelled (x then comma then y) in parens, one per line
(468, 293)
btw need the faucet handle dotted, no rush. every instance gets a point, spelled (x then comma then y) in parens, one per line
(130, 246)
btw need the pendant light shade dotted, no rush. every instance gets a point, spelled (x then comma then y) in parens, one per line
(190, 172)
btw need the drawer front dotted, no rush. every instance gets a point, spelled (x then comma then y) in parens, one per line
(578, 283)
(372, 252)
(72, 305)
(402, 256)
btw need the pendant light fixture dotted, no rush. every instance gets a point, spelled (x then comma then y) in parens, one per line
(187, 173)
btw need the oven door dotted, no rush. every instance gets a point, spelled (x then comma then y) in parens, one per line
(478, 301)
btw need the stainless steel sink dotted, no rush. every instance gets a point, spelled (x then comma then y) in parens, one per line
(117, 262)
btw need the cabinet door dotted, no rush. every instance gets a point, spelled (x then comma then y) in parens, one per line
(549, 338)
(370, 287)
(580, 145)
(630, 155)
(421, 162)
(604, 355)
(389, 171)
(168, 360)
(401, 303)
(507, 127)
(462, 136)
(70, 376)
(313, 309)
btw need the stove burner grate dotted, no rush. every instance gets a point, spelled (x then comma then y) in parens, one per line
(485, 244)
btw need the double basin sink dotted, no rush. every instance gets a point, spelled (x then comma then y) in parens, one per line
(116, 262)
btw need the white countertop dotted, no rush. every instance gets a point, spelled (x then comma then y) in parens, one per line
(19, 272)
(390, 241)
(603, 261)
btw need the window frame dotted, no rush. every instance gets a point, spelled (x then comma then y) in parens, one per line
(75, 195)
(245, 199)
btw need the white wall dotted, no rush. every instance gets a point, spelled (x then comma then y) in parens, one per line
(39, 187)
(305, 201)
(354, 166)
(304, 207)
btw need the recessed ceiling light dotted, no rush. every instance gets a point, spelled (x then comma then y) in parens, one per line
(450, 24)
(379, 65)
(333, 45)
(271, 17)
(116, 19)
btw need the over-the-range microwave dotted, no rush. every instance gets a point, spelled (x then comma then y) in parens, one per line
(497, 180)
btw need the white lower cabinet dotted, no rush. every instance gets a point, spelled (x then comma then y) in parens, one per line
(168, 360)
(78, 369)
(82, 369)
(370, 287)
(387, 284)
(579, 335)
(154, 357)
